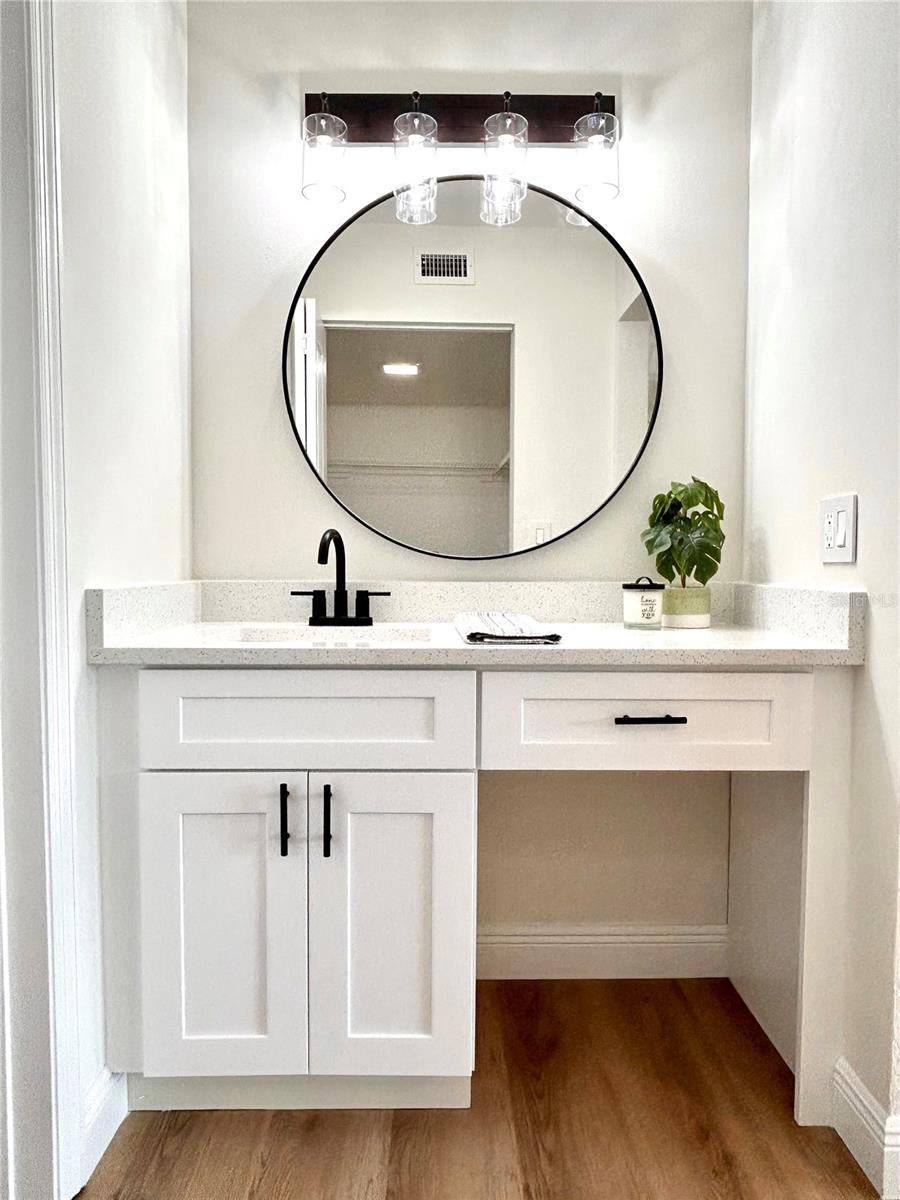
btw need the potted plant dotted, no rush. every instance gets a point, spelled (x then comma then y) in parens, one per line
(685, 534)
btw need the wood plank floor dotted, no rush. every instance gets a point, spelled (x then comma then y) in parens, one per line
(584, 1090)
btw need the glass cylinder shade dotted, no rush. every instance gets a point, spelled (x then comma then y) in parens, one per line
(505, 154)
(499, 210)
(415, 151)
(324, 143)
(597, 157)
(416, 205)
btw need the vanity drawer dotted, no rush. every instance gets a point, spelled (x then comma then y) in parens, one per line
(717, 722)
(307, 720)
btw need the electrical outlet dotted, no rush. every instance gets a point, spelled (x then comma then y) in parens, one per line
(837, 523)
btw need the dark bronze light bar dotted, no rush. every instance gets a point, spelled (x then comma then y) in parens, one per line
(370, 116)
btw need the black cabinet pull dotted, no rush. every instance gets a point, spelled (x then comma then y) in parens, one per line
(326, 821)
(666, 720)
(285, 833)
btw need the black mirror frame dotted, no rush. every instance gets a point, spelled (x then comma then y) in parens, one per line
(509, 553)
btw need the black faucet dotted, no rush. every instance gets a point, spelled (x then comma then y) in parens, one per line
(330, 538)
(340, 615)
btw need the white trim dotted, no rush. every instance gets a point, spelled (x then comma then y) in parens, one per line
(602, 951)
(105, 1108)
(162, 1094)
(870, 1134)
(53, 616)
(7, 1149)
(430, 326)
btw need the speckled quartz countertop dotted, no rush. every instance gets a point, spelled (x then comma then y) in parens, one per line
(223, 623)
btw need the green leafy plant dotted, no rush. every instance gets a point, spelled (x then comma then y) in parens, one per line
(685, 531)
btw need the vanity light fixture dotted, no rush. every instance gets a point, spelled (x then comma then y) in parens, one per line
(324, 143)
(505, 150)
(460, 115)
(592, 142)
(415, 149)
(401, 369)
(597, 154)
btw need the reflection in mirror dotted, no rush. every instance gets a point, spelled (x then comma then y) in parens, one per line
(471, 390)
(440, 435)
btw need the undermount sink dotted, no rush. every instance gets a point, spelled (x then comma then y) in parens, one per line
(335, 635)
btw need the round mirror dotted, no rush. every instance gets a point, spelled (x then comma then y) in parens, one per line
(472, 390)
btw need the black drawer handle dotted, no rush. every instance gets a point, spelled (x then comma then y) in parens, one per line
(666, 720)
(326, 821)
(285, 833)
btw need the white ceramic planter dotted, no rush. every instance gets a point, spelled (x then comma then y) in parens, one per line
(686, 608)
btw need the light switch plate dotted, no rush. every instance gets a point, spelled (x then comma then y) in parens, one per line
(837, 528)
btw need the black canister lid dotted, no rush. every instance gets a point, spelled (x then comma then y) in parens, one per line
(643, 584)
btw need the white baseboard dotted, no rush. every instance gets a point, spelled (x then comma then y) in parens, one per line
(871, 1136)
(106, 1108)
(299, 1091)
(602, 951)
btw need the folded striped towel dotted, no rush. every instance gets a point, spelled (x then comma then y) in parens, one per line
(504, 629)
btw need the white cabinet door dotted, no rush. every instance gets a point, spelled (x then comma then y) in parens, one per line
(223, 923)
(391, 923)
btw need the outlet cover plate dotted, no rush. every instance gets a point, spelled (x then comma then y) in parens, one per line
(837, 528)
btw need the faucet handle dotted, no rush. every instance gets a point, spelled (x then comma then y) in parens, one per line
(318, 604)
(362, 604)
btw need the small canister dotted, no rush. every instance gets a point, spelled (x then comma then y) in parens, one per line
(642, 604)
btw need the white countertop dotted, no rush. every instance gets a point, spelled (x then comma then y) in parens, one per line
(169, 625)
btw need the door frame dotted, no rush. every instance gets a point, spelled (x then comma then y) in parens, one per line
(54, 1152)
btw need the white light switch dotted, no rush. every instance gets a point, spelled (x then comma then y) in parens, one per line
(840, 537)
(540, 532)
(837, 522)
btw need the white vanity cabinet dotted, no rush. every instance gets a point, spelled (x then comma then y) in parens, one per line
(236, 976)
(245, 968)
(297, 921)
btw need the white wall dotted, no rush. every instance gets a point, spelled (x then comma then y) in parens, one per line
(560, 848)
(822, 407)
(122, 101)
(681, 73)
